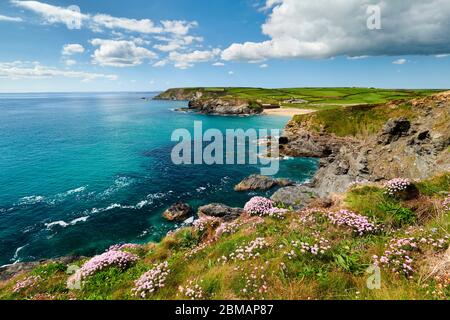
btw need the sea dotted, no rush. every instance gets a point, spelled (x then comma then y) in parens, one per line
(82, 171)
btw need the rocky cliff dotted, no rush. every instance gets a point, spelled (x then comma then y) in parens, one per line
(212, 102)
(413, 144)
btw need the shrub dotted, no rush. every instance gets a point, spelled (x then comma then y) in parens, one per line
(119, 259)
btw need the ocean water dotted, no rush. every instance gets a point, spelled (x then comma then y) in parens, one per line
(79, 172)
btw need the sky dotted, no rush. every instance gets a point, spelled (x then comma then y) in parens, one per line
(141, 45)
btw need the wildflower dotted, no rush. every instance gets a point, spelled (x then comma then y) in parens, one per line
(119, 259)
(396, 185)
(26, 283)
(152, 280)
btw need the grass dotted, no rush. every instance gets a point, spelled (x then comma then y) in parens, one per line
(316, 98)
(338, 273)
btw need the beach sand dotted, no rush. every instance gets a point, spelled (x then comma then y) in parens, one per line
(287, 111)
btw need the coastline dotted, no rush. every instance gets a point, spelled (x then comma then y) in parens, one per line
(287, 112)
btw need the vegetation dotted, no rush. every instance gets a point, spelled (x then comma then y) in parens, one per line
(312, 254)
(310, 98)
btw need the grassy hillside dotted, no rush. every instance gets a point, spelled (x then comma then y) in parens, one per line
(313, 97)
(296, 255)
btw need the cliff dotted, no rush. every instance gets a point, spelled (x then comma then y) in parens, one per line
(373, 143)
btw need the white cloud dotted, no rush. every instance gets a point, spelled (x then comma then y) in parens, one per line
(160, 63)
(400, 61)
(72, 48)
(230, 72)
(178, 27)
(218, 64)
(70, 62)
(177, 43)
(120, 53)
(445, 55)
(187, 60)
(141, 26)
(10, 19)
(34, 70)
(55, 14)
(264, 65)
(328, 28)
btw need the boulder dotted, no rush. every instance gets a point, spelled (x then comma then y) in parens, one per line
(393, 130)
(178, 212)
(219, 210)
(297, 197)
(259, 182)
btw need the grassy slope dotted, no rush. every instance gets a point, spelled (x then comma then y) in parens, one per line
(338, 274)
(318, 98)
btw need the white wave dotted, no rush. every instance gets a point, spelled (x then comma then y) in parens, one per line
(31, 200)
(119, 183)
(16, 253)
(200, 189)
(64, 224)
(288, 158)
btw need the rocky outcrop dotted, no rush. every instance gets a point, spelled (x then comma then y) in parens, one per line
(259, 182)
(9, 271)
(178, 212)
(296, 197)
(416, 147)
(222, 106)
(180, 94)
(219, 210)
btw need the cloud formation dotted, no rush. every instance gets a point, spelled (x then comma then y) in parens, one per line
(75, 19)
(72, 48)
(120, 53)
(10, 19)
(34, 70)
(328, 28)
(187, 60)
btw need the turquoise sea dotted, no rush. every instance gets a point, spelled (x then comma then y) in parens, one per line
(79, 172)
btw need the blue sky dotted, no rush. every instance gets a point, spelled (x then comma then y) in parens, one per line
(141, 45)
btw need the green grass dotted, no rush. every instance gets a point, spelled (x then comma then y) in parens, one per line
(317, 98)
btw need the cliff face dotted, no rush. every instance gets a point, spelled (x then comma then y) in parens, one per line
(225, 106)
(211, 102)
(415, 146)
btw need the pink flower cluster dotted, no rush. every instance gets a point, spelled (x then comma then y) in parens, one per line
(110, 258)
(319, 246)
(250, 251)
(446, 203)
(26, 283)
(396, 185)
(227, 228)
(204, 222)
(192, 291)
(260, 206)
(398, 255)
(125, 246)
(358, 223)
(152, 280)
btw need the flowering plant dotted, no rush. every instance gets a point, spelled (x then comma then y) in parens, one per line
(152, 280)
(260, 206)
(396, 185)
(358, 223)
(446, 203)
(110, 258)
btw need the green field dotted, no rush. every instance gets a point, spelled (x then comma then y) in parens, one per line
(320, 98)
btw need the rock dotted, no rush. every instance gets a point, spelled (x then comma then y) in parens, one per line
(221, 106)
(259, 182)
(220, 211)
(9, 271)
(178, 212)
(296, 196)
(393, 130)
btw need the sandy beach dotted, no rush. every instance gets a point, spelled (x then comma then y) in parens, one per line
(287, 111)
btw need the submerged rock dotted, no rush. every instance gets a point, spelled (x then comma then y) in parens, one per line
(220, 211)
(178, 212)
(259, 182)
